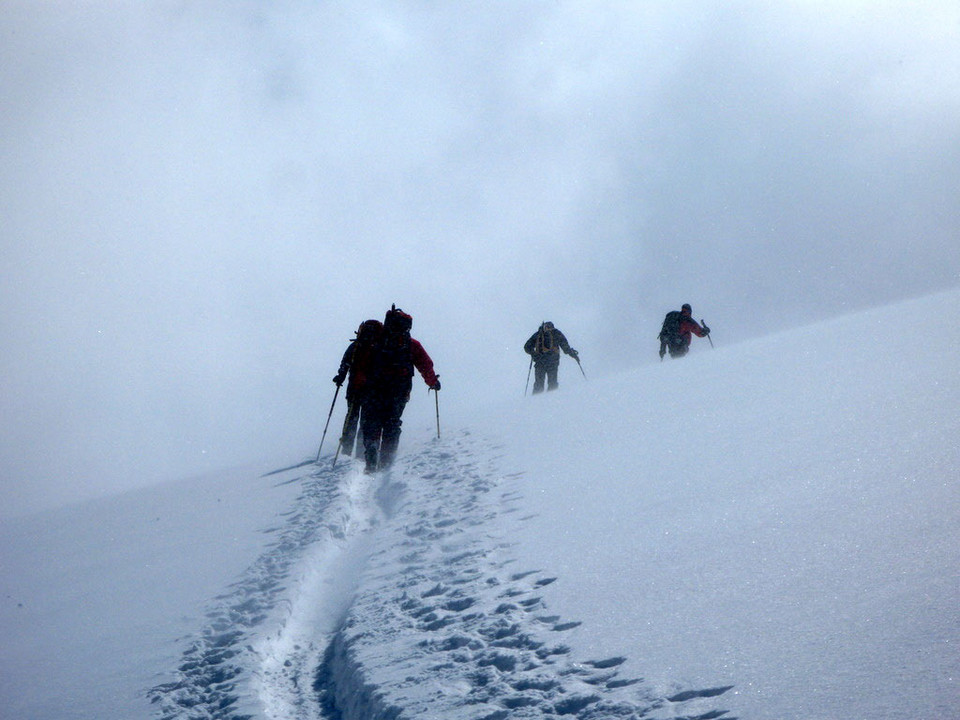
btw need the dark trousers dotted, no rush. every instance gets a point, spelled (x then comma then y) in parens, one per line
(350, 424)
(545, 369)
(678, 347)
(380, 424)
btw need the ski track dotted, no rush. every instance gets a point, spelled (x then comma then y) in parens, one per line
(399, 596)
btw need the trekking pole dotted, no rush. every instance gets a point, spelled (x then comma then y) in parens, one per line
(528, 377)
(581, 369)
(329, 414)
(708, 334)
(436, 400)
(342, 433)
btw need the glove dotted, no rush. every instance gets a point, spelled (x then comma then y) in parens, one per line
(575, 355)
(338, 379)
(706, 330)
(436, 386)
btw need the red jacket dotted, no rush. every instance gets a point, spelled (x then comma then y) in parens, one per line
(423, 363)
(689, 325)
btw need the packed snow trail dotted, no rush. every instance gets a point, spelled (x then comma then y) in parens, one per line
(325, 582)
(400, 595)
(244, 662)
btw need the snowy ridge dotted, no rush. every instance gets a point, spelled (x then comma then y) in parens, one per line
(399, 596)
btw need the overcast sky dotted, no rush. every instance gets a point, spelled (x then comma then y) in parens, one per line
(201, 201)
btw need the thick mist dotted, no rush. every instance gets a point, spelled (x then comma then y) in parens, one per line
(200, 203)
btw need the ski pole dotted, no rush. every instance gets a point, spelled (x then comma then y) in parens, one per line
(581, 369)
(526, 387)
(329, 414)
(436, 400)
(708, 334)
(343, 432)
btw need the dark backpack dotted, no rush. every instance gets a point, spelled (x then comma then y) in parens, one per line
(671, 326)
(392, 357)
(364, 345)
(368, 332)
(545, 341)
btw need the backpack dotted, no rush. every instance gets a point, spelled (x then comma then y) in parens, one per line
(545, 341)
(671, 326)
(368, 332)
(364, 344)
(392, 357)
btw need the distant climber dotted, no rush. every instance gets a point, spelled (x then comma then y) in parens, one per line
(355, 369)
(389, 381)
(675, 335)
(544, 348)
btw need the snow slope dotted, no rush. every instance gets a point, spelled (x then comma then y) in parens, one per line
(768, 529)
(781, 515)
(407, 600)
(95, 598)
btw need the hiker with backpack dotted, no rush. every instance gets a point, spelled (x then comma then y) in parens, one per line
(355, 369)
(675, 334)
(389, 382)
(544, 348)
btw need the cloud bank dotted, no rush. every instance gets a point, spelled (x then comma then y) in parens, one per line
(201, 203)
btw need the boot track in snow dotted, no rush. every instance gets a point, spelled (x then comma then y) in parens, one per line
(398, 595)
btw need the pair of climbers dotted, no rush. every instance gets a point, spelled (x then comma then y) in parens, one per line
(379, 363)
(545, 344)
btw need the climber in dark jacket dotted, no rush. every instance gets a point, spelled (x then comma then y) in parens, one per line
(544, 348)
(355, 369)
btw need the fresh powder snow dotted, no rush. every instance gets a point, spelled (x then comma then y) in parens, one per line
(761, 530)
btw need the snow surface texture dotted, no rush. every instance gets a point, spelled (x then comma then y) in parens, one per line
(442, 621)
(768, 529)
